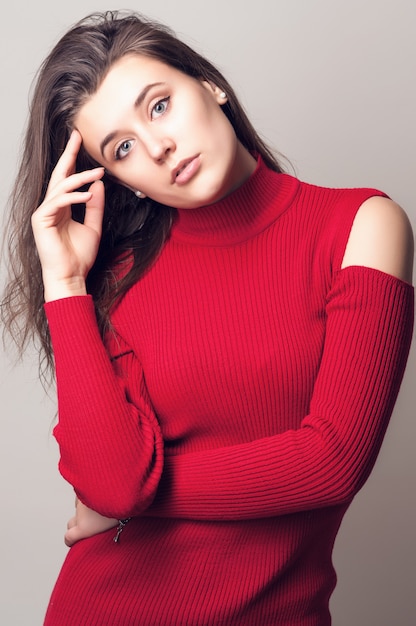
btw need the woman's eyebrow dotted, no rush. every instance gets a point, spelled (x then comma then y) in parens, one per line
(139, 100)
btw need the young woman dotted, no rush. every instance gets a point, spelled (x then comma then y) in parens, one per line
(228, 341)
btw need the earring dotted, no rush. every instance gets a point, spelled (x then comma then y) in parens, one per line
(140, 194)
(223, 95)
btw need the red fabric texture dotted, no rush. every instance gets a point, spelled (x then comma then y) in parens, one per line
(234, 410)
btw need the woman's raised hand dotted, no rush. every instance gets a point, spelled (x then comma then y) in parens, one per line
(66, 248)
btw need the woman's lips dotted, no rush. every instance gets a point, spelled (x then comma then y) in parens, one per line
(186, 170)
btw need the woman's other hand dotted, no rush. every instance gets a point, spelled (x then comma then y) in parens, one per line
(86, 523)
(66, 248)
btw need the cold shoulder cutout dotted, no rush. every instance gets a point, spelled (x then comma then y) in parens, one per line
(381, 238)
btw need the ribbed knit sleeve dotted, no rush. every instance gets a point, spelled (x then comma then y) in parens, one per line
(327, 460)
(110, 442)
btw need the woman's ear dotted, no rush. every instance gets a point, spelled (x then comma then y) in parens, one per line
(137, 192)
(218, 93)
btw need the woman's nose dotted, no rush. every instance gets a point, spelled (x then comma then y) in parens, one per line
(158, 146)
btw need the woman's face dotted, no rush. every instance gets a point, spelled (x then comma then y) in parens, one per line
(162, 132)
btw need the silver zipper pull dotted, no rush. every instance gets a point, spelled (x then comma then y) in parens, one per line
(121, 524)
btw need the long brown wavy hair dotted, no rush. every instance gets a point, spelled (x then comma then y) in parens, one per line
(72, 72)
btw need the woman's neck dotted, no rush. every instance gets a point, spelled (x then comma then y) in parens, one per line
(242, 214)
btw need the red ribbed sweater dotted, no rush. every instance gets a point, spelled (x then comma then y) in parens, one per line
(234, 411)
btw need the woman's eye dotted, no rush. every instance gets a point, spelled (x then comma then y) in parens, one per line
(123, 149)
(160, 108)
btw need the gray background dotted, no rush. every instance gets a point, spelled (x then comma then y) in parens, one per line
(331, 84)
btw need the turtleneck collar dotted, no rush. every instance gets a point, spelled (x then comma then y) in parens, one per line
(244, 213)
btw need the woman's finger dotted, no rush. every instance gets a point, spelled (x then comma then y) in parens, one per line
(74, 181)
(72, 535)
(66, 162)
(52, 207)
(72, 522)
(95, 207)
